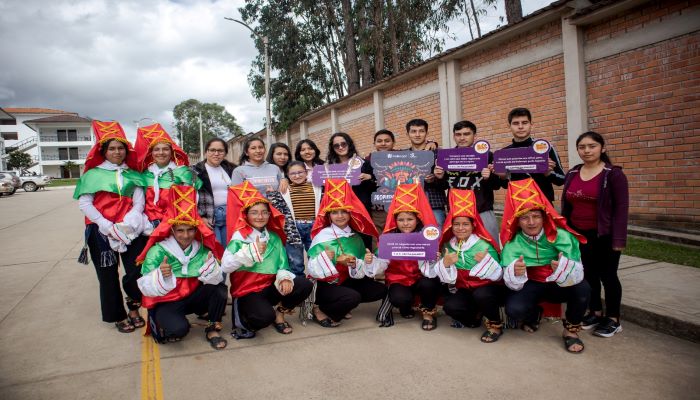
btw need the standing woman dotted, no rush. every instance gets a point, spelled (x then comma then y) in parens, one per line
(163, 164)
(266, 177)
(215, 172)
(279, 155)
(596, 204)
(110, 196)
(308, 153)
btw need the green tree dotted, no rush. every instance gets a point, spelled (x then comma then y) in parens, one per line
(69, 166)
(216, 122)
(19, 160)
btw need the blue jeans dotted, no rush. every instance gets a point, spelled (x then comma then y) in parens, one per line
(220, 225)
(295, 252)
(439, 217)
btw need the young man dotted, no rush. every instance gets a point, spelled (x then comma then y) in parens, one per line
(542, 262)
(483, 182)
(417, 131)
(520, 123)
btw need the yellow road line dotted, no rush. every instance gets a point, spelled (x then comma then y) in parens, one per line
(151, 380)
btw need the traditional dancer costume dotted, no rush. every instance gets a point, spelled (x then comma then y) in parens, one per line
(477, 291)
(556, 242)
(196, 281)
(159, 179)
(112, 200)
(408, 278)
(335, 294)
(255, 276)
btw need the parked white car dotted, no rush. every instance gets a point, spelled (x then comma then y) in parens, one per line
(7, 188)
(32, 183)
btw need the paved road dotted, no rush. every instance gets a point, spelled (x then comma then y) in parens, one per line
(54, 345)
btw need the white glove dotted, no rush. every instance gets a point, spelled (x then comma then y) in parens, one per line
(211, 273)
(120, 235)
(568, 272)
(487, 269)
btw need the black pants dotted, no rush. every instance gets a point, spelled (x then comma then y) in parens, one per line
(171, 317)
(256, 310)
(600, 264)
(465, 304)
(522, 305)
(111, 299)
(338, 300)
(402, 296)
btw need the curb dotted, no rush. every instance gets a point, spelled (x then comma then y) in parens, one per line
(661, 323)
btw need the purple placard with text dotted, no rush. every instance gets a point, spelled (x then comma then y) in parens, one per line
(410, 246)
(533, 159)
(474, 158)
(344, 171)
(392, 168)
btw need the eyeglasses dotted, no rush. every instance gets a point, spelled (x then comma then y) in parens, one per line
(259, 213)
(298, 173)
(216, 151)
(340, 145)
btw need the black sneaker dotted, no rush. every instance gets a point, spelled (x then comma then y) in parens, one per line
(607, 328)
(591, 321)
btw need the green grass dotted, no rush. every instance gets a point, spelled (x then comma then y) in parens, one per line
(63, 182)
(662, 251)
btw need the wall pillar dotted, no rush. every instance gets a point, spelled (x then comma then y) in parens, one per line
(575, 86)
(378, 97)
(335, 125)
(303, 130)
(450, 99)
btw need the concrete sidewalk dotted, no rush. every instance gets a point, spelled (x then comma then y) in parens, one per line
(53, 344)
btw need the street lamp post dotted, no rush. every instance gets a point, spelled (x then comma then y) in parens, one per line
(138, 122)
(268, 117)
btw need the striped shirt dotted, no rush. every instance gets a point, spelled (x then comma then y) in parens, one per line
(303, 201)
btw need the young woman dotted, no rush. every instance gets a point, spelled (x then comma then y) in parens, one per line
(163, 164)
(215, 172)
(111, 197)
(337, 255)
(264, 176)
(302, 200)
(308, 153)
(279, 155)
(409, 212)
(262, 286)
(596, 204)
(471, 263)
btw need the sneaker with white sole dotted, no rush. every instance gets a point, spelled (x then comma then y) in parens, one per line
(607, 328)
(591, 321)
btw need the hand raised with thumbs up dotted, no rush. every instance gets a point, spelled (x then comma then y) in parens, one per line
(555, 263)
(449, 258)
(480, 256)
(368, 257)
(165, 268)
(519, 267)
(330, 253)
(262, 246)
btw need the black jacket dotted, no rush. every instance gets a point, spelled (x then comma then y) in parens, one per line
(544, 182)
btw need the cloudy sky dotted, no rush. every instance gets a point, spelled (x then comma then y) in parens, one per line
(130, 59)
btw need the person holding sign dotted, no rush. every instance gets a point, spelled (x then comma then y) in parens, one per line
(338, 256)
(471, 262)
(409, 212)
(384, 140)
(181, 274)
(266, 177)
(482, 182)
(520, 123)
(262, 286)
(542, 261)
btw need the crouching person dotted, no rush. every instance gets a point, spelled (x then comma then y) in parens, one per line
(181, 274)
(542, 262)
(262, 286)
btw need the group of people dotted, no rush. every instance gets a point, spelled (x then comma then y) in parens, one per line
(181, 231)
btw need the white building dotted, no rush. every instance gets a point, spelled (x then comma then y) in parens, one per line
(51, 137)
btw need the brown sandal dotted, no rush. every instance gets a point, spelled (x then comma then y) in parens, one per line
(124, 326)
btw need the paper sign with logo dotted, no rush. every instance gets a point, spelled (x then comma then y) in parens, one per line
(410, 246)
(394, 167)
(533, 159)
(349, 171)
(470, 159)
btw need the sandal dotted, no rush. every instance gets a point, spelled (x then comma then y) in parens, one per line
(124, 326)
(490, 336)
(532, 327)
(570, 341)
(215, 341)
(429, 324)
(282, 326)
(137, 321)
(326, 322)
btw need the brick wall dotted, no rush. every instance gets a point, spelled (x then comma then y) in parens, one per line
(362, 131)
(427, 108)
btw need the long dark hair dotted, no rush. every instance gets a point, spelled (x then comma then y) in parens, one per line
(216, 139)
(597, 137)
(317, 158)
(272, 151)
(246, 146)
(332, 155)
(104, 146)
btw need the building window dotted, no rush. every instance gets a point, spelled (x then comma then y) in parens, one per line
(10, 136)
(67, 135)
(11, 121)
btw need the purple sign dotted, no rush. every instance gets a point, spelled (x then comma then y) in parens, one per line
(392, 168)
(410, 246)
(471, 159)
(533, 159)
(349, 171)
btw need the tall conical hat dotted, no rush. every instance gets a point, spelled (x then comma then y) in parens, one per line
(182, 210)
(242, 197)
(149, 136)
(463, 204)
(409, 197)
(338, 195)
(524, 196)
(104, 132)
